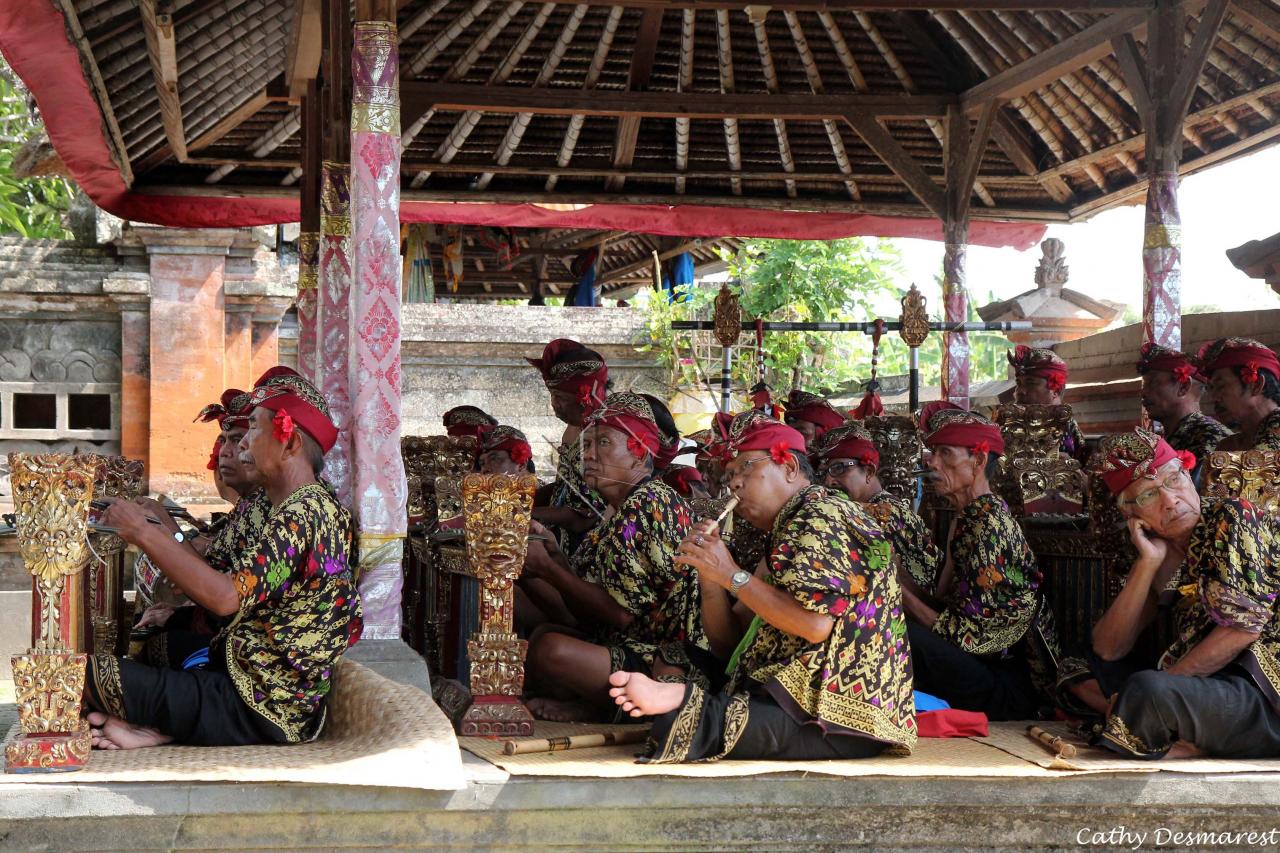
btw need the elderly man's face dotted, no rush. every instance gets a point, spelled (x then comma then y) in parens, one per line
(1168, 505)
(606, 458)
(1034, 391)
(760, 484)
(806, 428)
(1232, 399)
(953, 470)
(566, 407)
(848, 476)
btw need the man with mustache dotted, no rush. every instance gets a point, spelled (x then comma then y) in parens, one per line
(982, 639)
(1214, 691)
(818, 661)
(1244, 382)
(1171, 387)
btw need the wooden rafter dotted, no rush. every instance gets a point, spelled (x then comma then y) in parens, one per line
(757, 19)
(162, 53)
(1191, 65)
(642, 56)
(900, 162)
(880, 5)
(510, 99)
(594, 70)
(1070, 54)
(1258, 15)
(814, 76)
(646, 262)
(119, 152)
(684, 83)
(238, 116)
(964, 152)
(724, 59)
(302, 60)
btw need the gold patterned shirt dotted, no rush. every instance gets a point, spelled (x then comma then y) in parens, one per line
(299, 611)
(1268, 432)
(631, 557)
(910, 537)
(1198, 434)
(1231, 577)
(827, 552)
(241, 530)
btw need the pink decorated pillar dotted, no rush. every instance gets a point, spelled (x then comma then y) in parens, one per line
(333, 372)
(1162, 262)
(955, 301)
(308, 282)
(378, 475)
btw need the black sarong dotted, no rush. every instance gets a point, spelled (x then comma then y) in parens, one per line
(746, 727)
(196, 707)
(998, 686)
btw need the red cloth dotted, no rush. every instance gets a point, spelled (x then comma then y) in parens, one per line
(1030, 361)
(804, 406)
(1127, 457)
(859, 449)
(1241, 354)
(506, 438)
(233, 406)
(956, 427)
(681, 478)
(755, 431)
(33, 37)
(642, 435)
(870, 407)
(666, 452)
(951, 722)
(284, 389)
(213, 457)
(584, 377)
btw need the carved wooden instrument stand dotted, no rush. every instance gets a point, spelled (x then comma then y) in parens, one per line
(51, 496)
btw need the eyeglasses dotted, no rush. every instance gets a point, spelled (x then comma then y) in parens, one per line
(1148, 497)
(838, 469)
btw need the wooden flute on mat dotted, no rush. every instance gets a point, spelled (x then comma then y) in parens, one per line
(1054, 744)
(556, 744)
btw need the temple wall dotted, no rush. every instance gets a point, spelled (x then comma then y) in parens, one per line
(1105, 387)
(473, 354)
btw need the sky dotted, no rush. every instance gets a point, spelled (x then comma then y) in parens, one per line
(1221, 208)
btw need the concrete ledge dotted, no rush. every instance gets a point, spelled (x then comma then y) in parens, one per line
(636, 814)
(395, 660)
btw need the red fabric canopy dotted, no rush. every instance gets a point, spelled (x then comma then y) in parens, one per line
(34, 40)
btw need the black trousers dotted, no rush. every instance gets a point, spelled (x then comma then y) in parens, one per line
(196, 707)
(1224, 715)
(999, 687)
(746, 727)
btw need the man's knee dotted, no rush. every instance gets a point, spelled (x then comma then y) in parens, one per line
(1149, 687)
(550, 652)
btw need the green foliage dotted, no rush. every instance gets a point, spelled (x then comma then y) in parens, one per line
(29, 207)
(838, 280)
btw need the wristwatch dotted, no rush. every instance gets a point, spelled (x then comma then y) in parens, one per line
(738, 580)
(178, 537)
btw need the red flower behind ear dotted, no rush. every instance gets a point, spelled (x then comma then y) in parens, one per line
(520, 454)
(1187, 458)
(780, 452)
(1249, 373)
(982, 447)
(1183, 373)
(1055, 383)
(283, 425)
(637, 448)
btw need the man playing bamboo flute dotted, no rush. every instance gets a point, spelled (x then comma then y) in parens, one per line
(819, 665)
(291, 600)
(982, 639)
(1215, 690)
(635, 607)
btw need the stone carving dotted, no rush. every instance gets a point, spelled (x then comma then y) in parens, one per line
(728, 317)
(51, 502)
(1032, 476)
(900, 449)
(496, 513)
(59, 351)
(915, 318)
(1250, 474)
(1051, 273)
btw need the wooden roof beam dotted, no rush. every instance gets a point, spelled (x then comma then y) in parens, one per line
(163, 56)
(1258, 15)
(1074, 52)
(757, 19)
(814, 76)
(119, 152)
(642, 56)
(1093, 6)
(647, 262)
(724, 60)
(684, 82)
(302, 59)
(900, 162)
(252, 105)
(418, 97)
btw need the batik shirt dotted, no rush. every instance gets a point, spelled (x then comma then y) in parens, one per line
(630, 556)
(572, 492)
(747, 544)
(1231, 577)
(242, 528)
(994, 600)
(828, 553)
(910, 537)
(1198, 434)
(1073, 442)
(299, 611)
(1268, 432)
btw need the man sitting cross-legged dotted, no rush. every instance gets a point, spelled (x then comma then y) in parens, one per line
(982, 638)
(634, 607)
(291, 600)
(1214, 691)
(820, 667)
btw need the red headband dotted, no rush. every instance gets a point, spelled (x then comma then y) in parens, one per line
(755, 431)
(213, 457)
(959, 428)
(667, 451)
(849, 443)
(681, 478)
(585, 377)
(506, 438)
(466, 420)
(233, 406)
(281, 389)
(1239, 352)
(1127, 457)
(812, 408)
(1156, 357)
(631, 415)
(1029, 361)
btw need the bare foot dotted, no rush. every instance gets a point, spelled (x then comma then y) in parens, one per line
(1182, 749)
(1091, 695)
(641, 696)
(558, 710)
(113, 733)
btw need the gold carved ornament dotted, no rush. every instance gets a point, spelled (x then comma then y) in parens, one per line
(1032, 475)
(496, 514)
(898, 442)
(914, 321)
(1253, 475)
(727, 317)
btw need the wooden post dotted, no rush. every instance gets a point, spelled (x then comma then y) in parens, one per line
(309, 235)
(964, 150)
(378, 469)
(334, 286)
